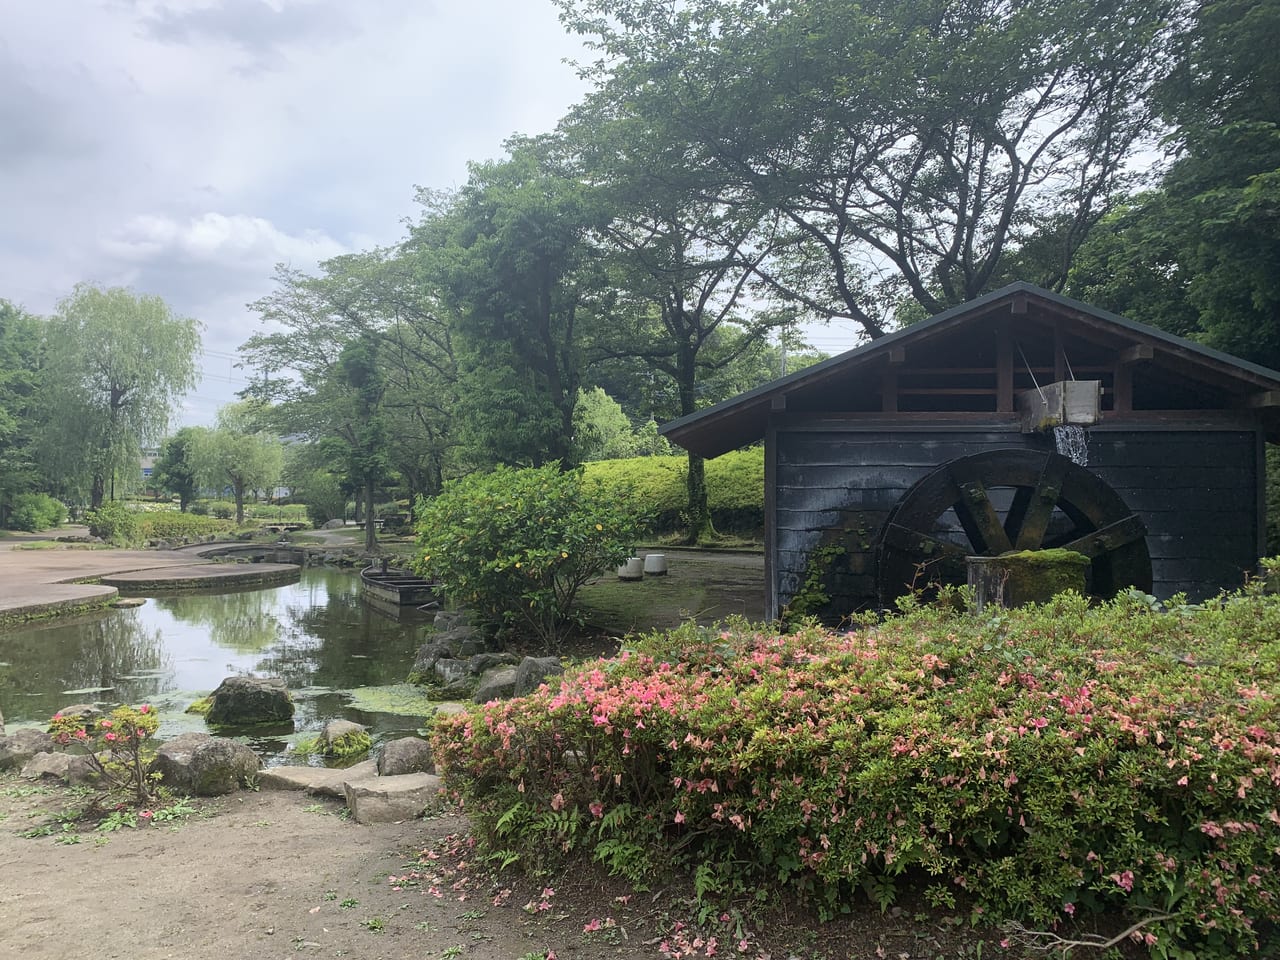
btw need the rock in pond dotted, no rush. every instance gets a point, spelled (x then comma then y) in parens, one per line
(342, 738)
(245, 701)
(405, 755)
(204, 766)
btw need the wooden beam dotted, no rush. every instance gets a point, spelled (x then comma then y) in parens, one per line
(897, 355)
(1004, 367)
(1122, 388)
(1263, 398)
(779, 403)
(1018, 306)
(889, 391)
(1059, 352)
(1139, 351)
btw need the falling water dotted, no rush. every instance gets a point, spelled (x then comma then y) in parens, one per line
(1072, 443)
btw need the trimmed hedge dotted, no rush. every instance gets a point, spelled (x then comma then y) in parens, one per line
(1048, 763)
(735, 488)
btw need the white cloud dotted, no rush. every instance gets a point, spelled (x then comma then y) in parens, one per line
(184, 147)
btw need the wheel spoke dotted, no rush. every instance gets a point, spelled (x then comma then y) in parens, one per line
(980, 520)
(921, 545)
(1110, 538)
(1033, 508)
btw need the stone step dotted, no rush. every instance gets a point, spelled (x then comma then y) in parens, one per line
(322, 781)
(391, 799)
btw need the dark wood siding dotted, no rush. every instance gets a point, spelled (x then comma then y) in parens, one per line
(1196, 490)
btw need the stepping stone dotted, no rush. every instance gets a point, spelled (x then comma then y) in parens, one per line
(391, 799)
(322, 781)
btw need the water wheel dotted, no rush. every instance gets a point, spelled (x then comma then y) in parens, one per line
(1016, 499)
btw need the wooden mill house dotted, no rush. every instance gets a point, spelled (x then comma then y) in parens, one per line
(1022, 420)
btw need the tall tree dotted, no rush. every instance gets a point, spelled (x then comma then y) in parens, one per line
(117, 364)
(510, 254)
(906, 143)
(680, 258)
(20, 336)
(1200, 255)
(175, 468)
(378, 300)
(238, 453)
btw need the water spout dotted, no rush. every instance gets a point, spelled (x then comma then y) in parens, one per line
(1072, 443)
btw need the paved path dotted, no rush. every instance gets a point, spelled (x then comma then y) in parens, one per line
(38, 582)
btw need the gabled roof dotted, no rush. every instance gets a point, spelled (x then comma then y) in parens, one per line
(743, 419)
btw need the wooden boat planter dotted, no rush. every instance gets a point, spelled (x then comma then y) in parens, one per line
(398, 587)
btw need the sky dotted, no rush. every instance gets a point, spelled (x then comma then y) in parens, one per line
(185, 147)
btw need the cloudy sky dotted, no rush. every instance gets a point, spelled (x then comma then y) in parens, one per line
(184, 147)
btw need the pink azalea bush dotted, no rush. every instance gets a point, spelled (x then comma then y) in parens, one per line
(118, 746)
(1050, 763)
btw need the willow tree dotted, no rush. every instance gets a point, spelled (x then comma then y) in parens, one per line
(117, 364)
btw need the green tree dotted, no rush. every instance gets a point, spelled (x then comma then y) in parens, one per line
(511, 257)
(20, 336)
(237, 454)
(363, 367)
(905, 146)
(117, 364)
(1200, 255)
(174, 470)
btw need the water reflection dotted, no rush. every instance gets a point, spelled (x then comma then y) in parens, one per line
(316, 633)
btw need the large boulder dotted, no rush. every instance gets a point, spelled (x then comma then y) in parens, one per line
(496, 684)
(334, 524)
(428, 654)
(73, 769)
(246, 701)
(21, 745)
(533, 673)
(204, 766)
(405, 755)
(481, 662)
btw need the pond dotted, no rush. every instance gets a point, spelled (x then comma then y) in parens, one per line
(316, 633)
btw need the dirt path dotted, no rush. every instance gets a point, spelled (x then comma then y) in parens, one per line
(266, 875)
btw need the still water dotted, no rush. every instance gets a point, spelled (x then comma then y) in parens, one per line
(317, 634)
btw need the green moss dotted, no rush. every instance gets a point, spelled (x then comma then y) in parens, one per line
(1035, 576)
(351, 744)
(401, 699)
(201, 706)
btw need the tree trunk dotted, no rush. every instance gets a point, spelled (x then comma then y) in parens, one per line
(98, 492)
(238, 490)
(370, 530)
(698, 508)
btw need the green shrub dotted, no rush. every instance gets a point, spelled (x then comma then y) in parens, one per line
(1050, 762)
(283, 512)
(177, 526)
(114, 523)
(222, 509)
(735, 488)
(516, 545)
(36, 511)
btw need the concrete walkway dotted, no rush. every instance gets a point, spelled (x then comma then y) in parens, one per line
(37, 583)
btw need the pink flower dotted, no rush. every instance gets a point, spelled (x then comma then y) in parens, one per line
(105, 724)
(1124, 880)
(145, 708)
(679, 818)
(147, 814)
(1069, 909)
(596, 808)
(109, 736)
